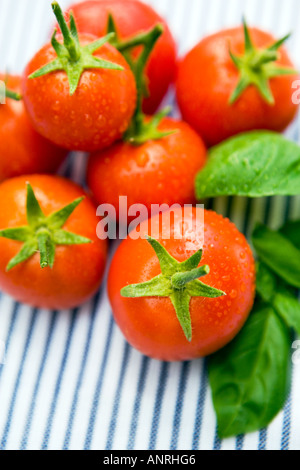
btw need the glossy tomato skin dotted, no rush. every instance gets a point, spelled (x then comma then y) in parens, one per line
(77, 270)
(133, 17)
(23, 151)
(158, 172)
(96, 115)
(150, 324)
(207, 78)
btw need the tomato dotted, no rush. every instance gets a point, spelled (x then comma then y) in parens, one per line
(132, 17)
(77, 269)
(98, 112)
(150, 323)
(23, 151)
(157, 172)
(207, 78)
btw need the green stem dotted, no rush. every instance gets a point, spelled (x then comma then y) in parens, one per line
(179, 280)
(44, 242)
(13, 95)
(69, 41)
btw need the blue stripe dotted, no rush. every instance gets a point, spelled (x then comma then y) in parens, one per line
(262, 441)
(200, 406)
(217, 441)
(137, 404)
(68, 433)
(24, 441)
(287, 425)
(64, 361)
(185, 368)
(161, 388)
(239, 444)
(115, 412)
(97, 394)
(18, 380)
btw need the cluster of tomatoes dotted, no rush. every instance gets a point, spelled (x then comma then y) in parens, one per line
(96, 88)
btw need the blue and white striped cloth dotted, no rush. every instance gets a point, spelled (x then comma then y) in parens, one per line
(70, 381)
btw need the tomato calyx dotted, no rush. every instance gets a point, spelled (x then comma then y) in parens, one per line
(42, 233)
(257, 67)
(142, 129)
(73, 58)
(178, 281)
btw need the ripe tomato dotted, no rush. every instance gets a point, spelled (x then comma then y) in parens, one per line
(150, 324)
(157, 172)
(77, 270)
(99, 111)
(132, 17)
(23, 151)
(207, 78)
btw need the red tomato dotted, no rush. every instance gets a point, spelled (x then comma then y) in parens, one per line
(207, 77)
(96, 115)
(78, 269)
(150, 324)
(132, 17)
(157, 172)
(23, 151)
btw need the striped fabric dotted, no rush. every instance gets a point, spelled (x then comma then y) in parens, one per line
(70, 381)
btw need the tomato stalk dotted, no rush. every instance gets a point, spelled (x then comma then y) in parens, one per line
(13, 95)
(42, 234)
(178, 281)
(257, 67)
(141, 129)
(73, 58)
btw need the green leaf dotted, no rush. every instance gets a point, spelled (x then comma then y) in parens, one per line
(181, 303)
(250, 378)
(192, 262)
(288, 307)
(266, 282)
(253, 164)
(167, 263)
(291, 230)
(62, 237)
(278, 253)
(34, 211)
(46, 69)
(283, 299)
(21, 234)
(158, 286)
(199, 289)
(58, 219)
(27, 250)
(94, 46)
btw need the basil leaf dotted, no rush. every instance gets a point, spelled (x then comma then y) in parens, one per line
(278, 253)
(253, 164)
(266, 282)
(288, 307)
(250, 378)
(282, 299)
(291, 230)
